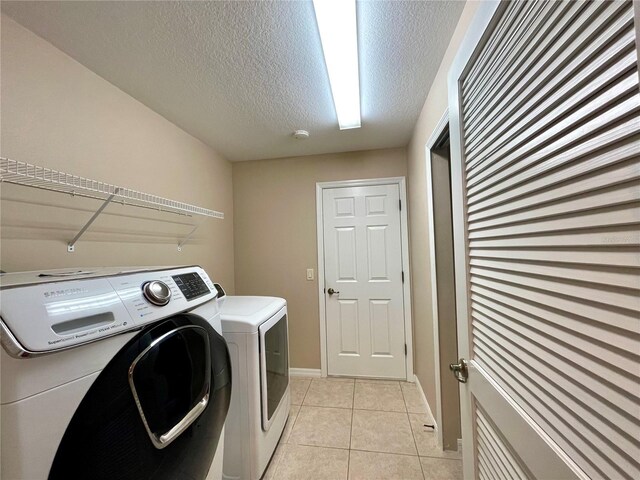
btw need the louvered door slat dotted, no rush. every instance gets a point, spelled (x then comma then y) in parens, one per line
(623, 134)
(619, 194)
(565, 182)
(578, 326)
(489, 434)
(596, 58)
(621, 119)
(520, 46)
(538, 57)
(614, 298)
(613, 384)
(619, 215)
(559, 78)
(489, 444)
(624, 278)
(621, 236)
(620, 257)
(472, 87)
(550, 419)
(486, 471)
(614, 406)
(618, 318)
(559, 103)
(489, 55)
(618, 100)
(612, 367)
(570, 79)
(492, 457)
(556, 416)
(491, 460)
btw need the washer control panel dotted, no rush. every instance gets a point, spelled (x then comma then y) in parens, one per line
(43, 317)
(191, 285)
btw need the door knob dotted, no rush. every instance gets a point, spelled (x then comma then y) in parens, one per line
(460, 370)
(331, 291)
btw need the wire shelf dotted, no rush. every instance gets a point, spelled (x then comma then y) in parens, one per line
(22, 173)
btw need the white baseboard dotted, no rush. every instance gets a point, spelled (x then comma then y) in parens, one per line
(460, 446)
(426, 404)
(305, 372)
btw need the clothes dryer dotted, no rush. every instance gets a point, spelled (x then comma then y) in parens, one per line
(256, 331)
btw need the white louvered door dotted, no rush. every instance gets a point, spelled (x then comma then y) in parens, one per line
(544, 108)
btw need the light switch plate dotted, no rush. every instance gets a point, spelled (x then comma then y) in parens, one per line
(310, 274)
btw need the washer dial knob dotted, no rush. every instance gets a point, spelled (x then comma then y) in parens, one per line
(157, 292)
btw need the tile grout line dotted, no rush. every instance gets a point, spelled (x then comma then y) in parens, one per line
(344, 380)
(294, 423)
(318, 446)
(284, 445)
(385, 453)
(325, 406)
(369, 451)
(305, 392)
(353, 405)
(413, 434)
(350, 448)
(362, 450)
(427, 455)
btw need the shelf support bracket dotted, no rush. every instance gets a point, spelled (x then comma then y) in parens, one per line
(186, 239)
(71, 246)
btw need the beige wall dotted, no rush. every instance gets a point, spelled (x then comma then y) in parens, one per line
(59, 114)
(275, 231)
(434, 107)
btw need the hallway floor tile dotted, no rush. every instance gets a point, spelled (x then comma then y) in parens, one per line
(346, 429)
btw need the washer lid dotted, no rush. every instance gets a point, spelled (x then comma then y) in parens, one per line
(243, 314)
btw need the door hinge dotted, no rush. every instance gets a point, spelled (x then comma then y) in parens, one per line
(403, 276)
(405, 349)
(400, 204)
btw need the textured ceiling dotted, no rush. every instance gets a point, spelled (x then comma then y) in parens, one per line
(241, 76)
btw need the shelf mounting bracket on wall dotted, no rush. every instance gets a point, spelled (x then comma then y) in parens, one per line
(71, 246)
(21, 173)
(186, 239)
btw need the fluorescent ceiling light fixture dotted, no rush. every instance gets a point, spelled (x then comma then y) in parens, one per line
(338, 34)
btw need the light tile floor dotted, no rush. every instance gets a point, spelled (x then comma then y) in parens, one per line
(346, 429)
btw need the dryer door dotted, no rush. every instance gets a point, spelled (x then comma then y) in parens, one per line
(156, 411)
(274, 365)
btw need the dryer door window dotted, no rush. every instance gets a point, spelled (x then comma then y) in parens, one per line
(274, 365)
(171, 381)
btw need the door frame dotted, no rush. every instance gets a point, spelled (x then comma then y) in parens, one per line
(406, 286)
(438, 130)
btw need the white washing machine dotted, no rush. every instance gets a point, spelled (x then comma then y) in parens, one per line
(256, 332)
(112, 373)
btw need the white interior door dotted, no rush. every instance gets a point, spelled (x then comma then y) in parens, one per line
(545, 141)
(363, 265)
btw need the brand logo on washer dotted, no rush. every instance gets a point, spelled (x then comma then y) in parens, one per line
(65, 292)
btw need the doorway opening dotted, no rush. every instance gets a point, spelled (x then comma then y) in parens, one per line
(439, 210)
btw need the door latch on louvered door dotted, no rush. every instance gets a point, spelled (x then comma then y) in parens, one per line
(460, 370)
